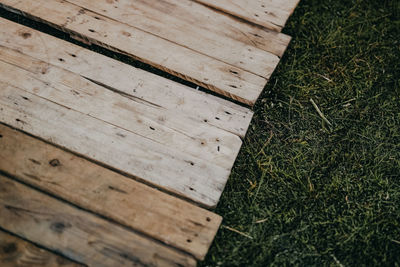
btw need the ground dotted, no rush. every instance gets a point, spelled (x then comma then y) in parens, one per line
(311, 194)
(304, 192)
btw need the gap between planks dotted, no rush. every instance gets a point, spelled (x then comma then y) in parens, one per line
(203, 181)
(139, 84)
(163, 217)
(77, 234)
(229, 80)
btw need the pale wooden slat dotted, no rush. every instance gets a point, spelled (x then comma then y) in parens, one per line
(176, 172)
(166, 128)
(271, 14)
(213, 74)
(202, 107)
(163, 217)
(77, 234)
(16, 252)
(154, 17)
(222, 24)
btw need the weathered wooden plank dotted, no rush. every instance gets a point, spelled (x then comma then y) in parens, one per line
(152, 122)
(271, 14)
(16, 252)
(212, 20)
(154, 17)
(213, 74)
(136, 155)
(178, 15)
(204, 108)
(87, 185)
(77, 234)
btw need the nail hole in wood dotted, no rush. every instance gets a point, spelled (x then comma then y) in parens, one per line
(208, 219)
(54, 162)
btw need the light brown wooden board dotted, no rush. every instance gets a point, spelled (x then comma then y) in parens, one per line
(76, 234)
(154, 17)
(16, 252)
(271, 14)
(179, 59)
(204, 109)
(117, 147)
(168, 129)
(87, 185)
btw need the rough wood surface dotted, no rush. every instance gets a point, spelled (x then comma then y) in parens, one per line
(207, 71)
(87, 185)
(168, 129)
(77, 234)
(154, 17)
(16, 252)
(184, 101)
(117, 147)
(185, 17)
(271, 14)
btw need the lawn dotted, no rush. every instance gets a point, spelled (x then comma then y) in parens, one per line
(307, 193)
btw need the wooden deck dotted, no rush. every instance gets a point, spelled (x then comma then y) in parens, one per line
(104, 164)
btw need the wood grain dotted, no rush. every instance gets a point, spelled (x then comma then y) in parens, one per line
(204, 108)
(223, 78)
(271, 14)
(177, 133)
(16, 252)
(77, 234)
(154, 17)
(116, 147)
(87, 185)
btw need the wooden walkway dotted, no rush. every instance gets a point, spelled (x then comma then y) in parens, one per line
(104, 164)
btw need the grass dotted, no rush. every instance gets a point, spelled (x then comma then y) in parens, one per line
(311, 194)
(303, 192)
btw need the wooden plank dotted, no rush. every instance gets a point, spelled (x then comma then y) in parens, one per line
(16, 252)
(116, 147)
(213, 20)
(180, 14)
(87, 185)
(154, 17)
(206, 71)
(152, 122)
(77, 234)
(271, 14)
(201, 107)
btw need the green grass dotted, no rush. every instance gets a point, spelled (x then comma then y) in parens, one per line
(311, 194)
(307, 193)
